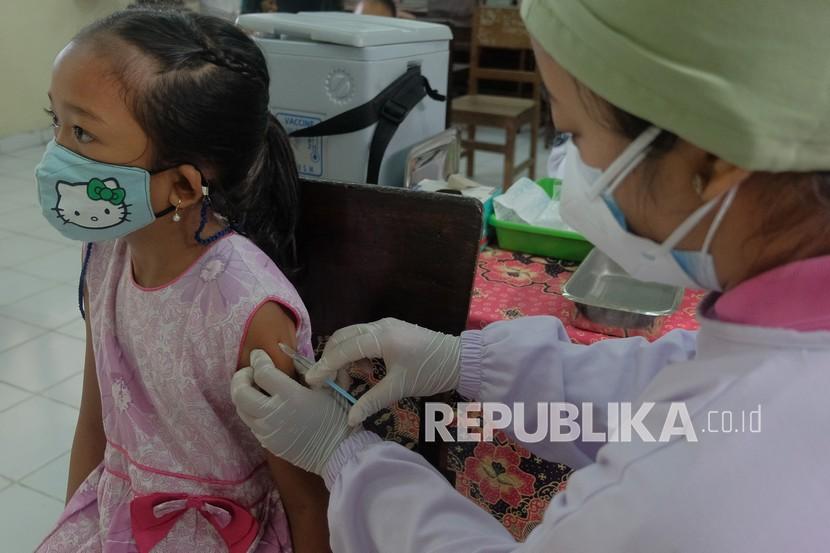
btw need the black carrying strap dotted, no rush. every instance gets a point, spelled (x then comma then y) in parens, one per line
(388, 109)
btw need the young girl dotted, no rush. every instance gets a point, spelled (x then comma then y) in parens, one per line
(167, 163)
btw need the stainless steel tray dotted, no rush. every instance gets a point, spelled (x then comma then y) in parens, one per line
(605, 294)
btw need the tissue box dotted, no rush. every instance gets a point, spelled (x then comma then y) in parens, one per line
(561, 244)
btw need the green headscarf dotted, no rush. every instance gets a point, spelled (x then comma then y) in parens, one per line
(747, 80)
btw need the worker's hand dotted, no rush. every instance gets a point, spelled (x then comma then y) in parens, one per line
(419, 362)
(295, 423)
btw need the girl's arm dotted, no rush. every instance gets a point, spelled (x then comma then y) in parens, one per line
(303, 494)
(89, 443)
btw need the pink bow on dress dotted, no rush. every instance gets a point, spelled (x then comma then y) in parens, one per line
(154, 515)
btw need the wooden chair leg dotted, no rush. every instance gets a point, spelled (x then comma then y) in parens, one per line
(509, 155)
(471, 151)
(534, 142)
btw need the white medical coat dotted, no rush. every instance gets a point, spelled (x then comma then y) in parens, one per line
(761, 492)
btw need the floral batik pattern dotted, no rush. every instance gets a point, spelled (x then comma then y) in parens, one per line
(509, 285)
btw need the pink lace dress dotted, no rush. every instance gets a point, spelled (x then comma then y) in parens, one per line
(181, 472)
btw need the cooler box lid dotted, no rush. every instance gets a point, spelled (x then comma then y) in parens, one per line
(345, 29)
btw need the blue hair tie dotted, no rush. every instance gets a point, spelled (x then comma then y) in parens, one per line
(203, 221)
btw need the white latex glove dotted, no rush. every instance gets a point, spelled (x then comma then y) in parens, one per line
(419, 362)
(295, 423)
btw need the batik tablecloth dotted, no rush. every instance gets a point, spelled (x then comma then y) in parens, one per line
(510, 285)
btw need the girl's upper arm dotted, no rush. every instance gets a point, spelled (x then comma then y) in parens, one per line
(270, 326)
(303, 494)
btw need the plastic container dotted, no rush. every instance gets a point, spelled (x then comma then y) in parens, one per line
(561, 244)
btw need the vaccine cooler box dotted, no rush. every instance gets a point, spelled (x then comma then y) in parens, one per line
(323, 64)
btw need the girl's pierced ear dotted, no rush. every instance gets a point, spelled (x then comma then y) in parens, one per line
(177, 216)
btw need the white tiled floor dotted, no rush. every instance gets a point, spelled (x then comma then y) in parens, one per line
(42, 347)
(41, 358)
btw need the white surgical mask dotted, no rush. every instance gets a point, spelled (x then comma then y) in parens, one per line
(588, 206)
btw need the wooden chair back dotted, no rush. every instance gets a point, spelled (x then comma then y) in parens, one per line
(501, 28)
(370, 252)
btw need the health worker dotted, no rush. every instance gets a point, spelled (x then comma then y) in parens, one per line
(700, 157)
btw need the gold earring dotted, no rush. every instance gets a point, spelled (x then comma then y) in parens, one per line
(177, 216)
(697, 182)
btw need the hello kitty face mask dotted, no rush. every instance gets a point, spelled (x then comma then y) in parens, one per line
(92, 201)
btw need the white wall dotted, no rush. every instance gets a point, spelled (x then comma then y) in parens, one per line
(32, 32)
